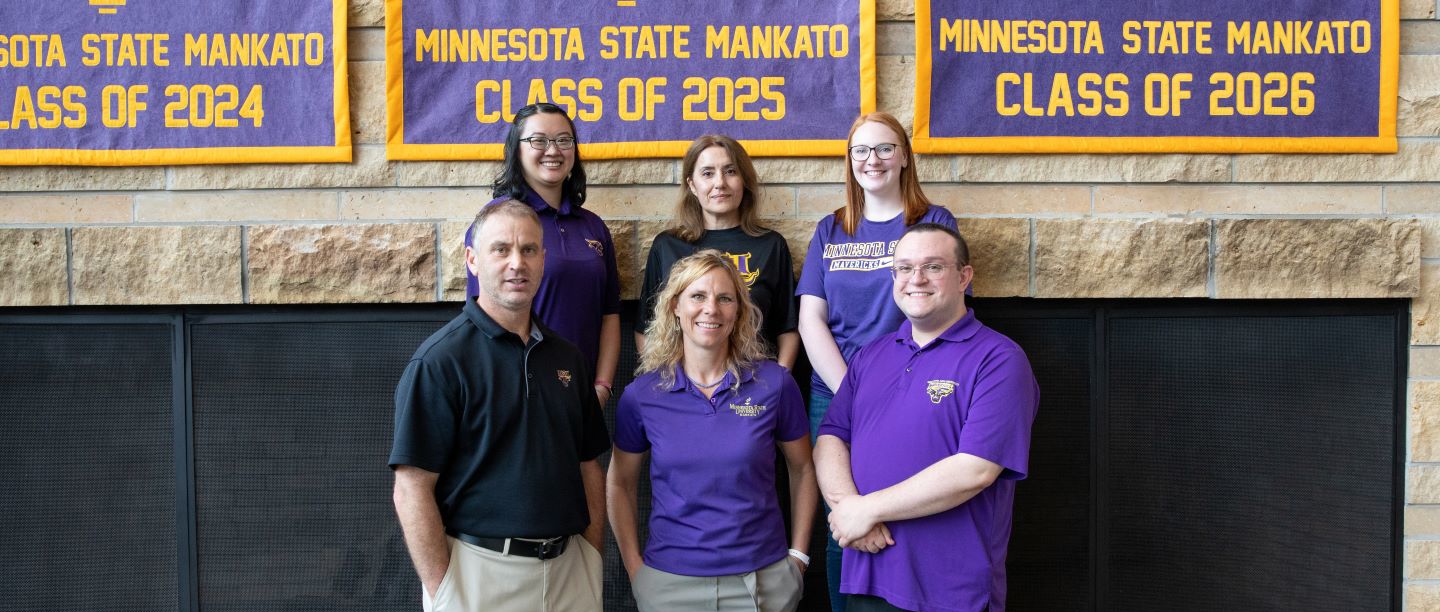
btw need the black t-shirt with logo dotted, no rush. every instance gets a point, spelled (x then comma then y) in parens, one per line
(764, 264)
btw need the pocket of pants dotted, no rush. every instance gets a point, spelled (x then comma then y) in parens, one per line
(437, 601)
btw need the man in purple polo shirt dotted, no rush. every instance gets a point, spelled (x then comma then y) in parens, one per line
(922, 445)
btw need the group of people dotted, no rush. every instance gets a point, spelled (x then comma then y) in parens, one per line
(915, 432)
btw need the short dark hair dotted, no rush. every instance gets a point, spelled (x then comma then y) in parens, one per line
(511, 182)
(504, 207)
(962, 250)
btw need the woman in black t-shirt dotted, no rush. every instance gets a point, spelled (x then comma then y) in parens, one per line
(717, 210)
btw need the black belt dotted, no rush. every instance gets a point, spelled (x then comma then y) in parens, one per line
(542, 550)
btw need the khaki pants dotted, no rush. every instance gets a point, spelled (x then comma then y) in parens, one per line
(484, 580)
(774, 588)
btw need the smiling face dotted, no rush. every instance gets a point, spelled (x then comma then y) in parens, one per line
(878, 177)
(717, 184)
(507, 257)
(707, 309)
(927, 301)
(546, 170)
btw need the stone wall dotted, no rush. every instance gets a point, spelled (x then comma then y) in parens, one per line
(1211, 226)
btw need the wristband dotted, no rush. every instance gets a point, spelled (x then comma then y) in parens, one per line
(804, 558)
(604, 383)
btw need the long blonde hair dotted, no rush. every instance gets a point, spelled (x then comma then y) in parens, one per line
(664, 340)
(916, 203)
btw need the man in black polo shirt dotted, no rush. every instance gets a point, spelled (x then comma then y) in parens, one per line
(497, 431)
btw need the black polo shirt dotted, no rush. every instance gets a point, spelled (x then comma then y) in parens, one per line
(505, 424)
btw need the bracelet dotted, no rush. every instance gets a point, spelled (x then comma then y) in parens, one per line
(804, 558)
(604, 383)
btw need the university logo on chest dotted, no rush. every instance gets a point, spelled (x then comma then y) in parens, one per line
(596, 245)
(939, 389)
(741, 262)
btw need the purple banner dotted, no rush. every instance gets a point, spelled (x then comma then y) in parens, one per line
(172, 81)
(639, 76)
(1166, 75)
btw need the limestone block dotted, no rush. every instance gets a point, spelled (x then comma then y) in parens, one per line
(1422, 559)
(1417, 160)
(367, 13)
(1422, 484)
(895, 38)
(632, 172)
(1419, 37)
(1419, 109)
(452, 260)
(1000, 255)
(197, 264)
(1429, 237)
(325, 264)
(801, 169)
(632, 202)
(896, 91)
(1120, 258)
(447, 173)
(368, 170)
(1425, 308)
(1424, 421)
(32, 267)
(1425, 362)
(1422, 521)
(645, 233)
(66, 208)
(934, 168)
(1422, 597)
(366, 44)
(797, 233)
(1417, 9)
(186, 206)
(1237, 199)
(776, 201)
(396, 204)
(1093, 168)
(1316, 258)
(80, 178)
(894, 10)
(626, 260)
(367, 102)
(1412, 199)
(1011, 199)
(822, 200)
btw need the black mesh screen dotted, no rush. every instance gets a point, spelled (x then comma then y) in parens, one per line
(87, 488)
(292, 428)
(1250, 463)
(1049, 561)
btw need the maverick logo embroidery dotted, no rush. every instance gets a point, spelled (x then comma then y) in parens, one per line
(596, 246)
(741, 262)
(564, 376)
(747, 409)
(938, 389)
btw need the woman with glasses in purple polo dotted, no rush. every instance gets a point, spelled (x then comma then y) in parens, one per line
(579, 294)
(844, 286)
(710, 408)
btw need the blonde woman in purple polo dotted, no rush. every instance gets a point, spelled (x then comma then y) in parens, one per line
(710, 407)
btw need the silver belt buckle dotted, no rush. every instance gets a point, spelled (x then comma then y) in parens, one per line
(549, 549)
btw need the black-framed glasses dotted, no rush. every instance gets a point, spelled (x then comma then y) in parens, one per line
(932, 270)
(882, 151)
(540, 143)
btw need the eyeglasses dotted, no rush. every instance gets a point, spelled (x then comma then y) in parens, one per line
(882, 151)
(932, 271)
(540, 143)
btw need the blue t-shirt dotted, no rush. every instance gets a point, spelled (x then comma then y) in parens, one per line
(714, 508)
(852, 274)
(901, 409)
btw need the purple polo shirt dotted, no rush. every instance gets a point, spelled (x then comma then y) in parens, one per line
(902, 408)
(581, 283)
(714, 508)
(852, 274)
